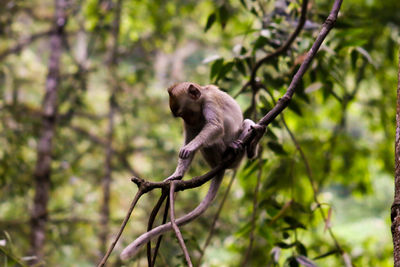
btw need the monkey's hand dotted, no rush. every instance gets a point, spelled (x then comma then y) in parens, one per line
(187, 151)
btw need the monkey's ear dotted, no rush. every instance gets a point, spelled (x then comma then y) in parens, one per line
(194, 92)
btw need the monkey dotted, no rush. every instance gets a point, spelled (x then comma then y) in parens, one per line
(213, 123)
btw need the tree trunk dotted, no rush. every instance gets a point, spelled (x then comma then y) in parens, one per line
(42, 172)
(395, 211)
(106, 183)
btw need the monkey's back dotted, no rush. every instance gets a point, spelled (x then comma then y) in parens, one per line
(232, 118)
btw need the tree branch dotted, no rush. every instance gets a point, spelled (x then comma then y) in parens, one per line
(175, 226)
(282, 49)
(25, 42)
(139, 193)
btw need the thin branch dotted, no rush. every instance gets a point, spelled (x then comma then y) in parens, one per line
(9, 254)
(311, 181)
(98, 140)
(313, 185)
(279, 51)
(175, 226)
(152, 218)
(159, 239)
(25, 42)
(254, 213)
(284, 101)
(139, 193)
(282, 49)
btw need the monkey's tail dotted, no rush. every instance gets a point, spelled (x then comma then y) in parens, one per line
(133, 247)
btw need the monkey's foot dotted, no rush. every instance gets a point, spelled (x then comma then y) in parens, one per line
(259, 131)
(236, 147)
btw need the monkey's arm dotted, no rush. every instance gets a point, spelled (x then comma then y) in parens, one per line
(181, 168)
(183, 164)
(213, 128)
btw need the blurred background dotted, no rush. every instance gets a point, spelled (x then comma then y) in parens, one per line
(84, 107)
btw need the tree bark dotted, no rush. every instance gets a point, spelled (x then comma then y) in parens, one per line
(395, 210)
(106, 183)
(42, 173)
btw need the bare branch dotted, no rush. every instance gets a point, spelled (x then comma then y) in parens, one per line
(282, 49)
(160, 237)
(128, 215)
(175, 226)
(254, 213)
(25, 42)
(152, 218)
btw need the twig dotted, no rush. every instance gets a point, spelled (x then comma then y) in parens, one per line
(152, 218)
(24, 42)
(160, 237)
(280, 50)
(254, 213)
(139, 193)
(285, 46)
(315, 191)
(175, 226)
(284, 101)
(311, 181)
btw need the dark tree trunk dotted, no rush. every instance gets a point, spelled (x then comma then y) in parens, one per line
(42, 172)
(112, 64)
(395, 212)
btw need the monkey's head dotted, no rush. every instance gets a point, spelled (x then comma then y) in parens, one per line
(185, 101)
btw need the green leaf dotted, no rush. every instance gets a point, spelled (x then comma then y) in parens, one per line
(332, 252)
(292, 262)
(271, 134)
(294, 106)
(301, 249)
(240, 66)
(284, 245)
(354, 56)
(226, 68)
(293, 222)
(260, 42)
(276, 147)
(216, 67)
(210, 21)
(223, 15)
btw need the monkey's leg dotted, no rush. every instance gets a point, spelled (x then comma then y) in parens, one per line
(259, 130)
(133, 247)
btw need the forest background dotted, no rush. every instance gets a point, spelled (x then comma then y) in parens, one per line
(84, 107)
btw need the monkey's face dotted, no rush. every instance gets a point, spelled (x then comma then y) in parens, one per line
(174, 105)
(185, 102)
